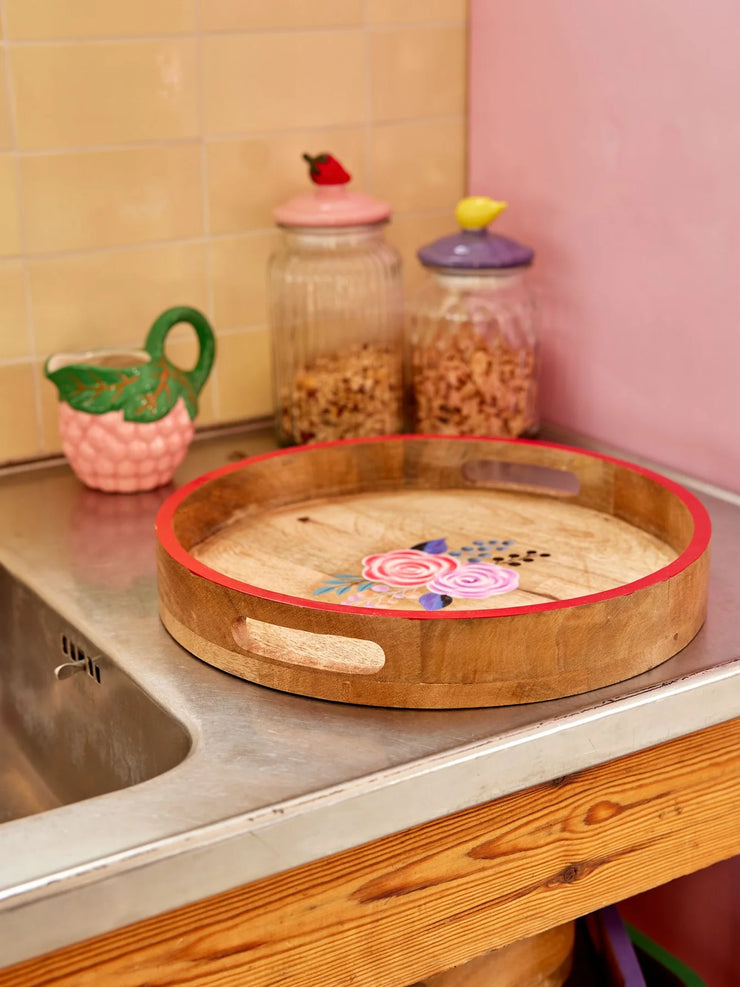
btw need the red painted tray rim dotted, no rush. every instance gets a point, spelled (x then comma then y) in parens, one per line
(696, 547)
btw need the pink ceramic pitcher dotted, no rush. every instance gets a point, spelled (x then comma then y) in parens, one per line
(126, 416)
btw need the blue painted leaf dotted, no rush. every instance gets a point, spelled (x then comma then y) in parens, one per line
(344, 589)
(363, 586)
(324, 589)
(436, 547)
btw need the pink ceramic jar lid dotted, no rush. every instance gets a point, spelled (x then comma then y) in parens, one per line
(331, 203)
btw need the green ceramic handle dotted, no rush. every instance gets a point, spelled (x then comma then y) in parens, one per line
(155, 342)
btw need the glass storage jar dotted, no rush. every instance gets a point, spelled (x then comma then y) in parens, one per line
(471, 341)
(336, 314)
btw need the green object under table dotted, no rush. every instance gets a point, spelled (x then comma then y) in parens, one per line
(661, 968)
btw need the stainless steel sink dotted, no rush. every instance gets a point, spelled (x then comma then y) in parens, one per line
(72, 724)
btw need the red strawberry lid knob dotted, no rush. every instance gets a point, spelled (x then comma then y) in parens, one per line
(324, 169)
(331, 202)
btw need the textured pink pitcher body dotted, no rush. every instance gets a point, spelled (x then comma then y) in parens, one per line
(108, 453)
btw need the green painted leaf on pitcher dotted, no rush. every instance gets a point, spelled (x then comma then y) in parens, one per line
(145, 393)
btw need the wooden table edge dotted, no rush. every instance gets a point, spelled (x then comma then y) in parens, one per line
(398, 909)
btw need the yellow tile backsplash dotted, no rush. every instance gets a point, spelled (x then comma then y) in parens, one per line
(248, 177)
(49, 400)
(403, 61)
(82, 95)
(19, 431)
(15, 339)
(239, 289)
(10, 229)
(263, 15)
(6, 127)
(243, 374)
(409, 232)
(419, 166)
(283, 80)
(91, 199)
(144, 145)
(51, 20)
(131, 287)
(412, 11)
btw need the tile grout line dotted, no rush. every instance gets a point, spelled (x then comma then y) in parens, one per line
(21, 215)
(368, 100)
(205, 201)
(237, 330)
(123, 248)
(133, 344)
(19, 361)
(466, 113)
(139, 145)
(231, 33)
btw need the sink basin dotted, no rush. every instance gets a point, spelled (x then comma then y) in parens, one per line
(80, 731)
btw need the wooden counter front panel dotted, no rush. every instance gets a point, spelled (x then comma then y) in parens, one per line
(402, 908)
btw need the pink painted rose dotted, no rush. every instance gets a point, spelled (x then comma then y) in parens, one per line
(476, 580)
(406, 567)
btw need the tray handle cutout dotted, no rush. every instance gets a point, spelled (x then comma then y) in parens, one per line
(527, 477)
(324, 652)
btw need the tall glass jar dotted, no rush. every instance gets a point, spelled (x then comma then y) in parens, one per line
(471, 334)
(336, 313)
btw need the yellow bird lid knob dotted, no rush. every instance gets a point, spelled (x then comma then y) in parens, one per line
(475, 212)
(474, 248)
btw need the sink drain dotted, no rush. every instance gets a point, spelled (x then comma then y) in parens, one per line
(77, 661)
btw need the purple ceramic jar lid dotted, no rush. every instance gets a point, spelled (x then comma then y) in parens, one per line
(474, 248)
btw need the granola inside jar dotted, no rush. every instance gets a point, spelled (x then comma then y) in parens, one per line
(336, 313)
(471, 340)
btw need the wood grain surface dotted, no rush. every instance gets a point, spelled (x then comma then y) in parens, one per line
(411, 905)
(266, 566)
(544, 960)
(296, 549)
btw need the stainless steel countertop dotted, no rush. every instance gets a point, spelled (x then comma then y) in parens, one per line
(273, 780)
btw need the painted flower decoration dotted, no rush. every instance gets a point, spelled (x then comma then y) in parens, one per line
(476, 580)
(431, 574)
(408, 567)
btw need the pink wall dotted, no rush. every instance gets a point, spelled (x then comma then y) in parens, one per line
(614, 131)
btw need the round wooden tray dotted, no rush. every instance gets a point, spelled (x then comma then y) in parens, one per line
(425, 571)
